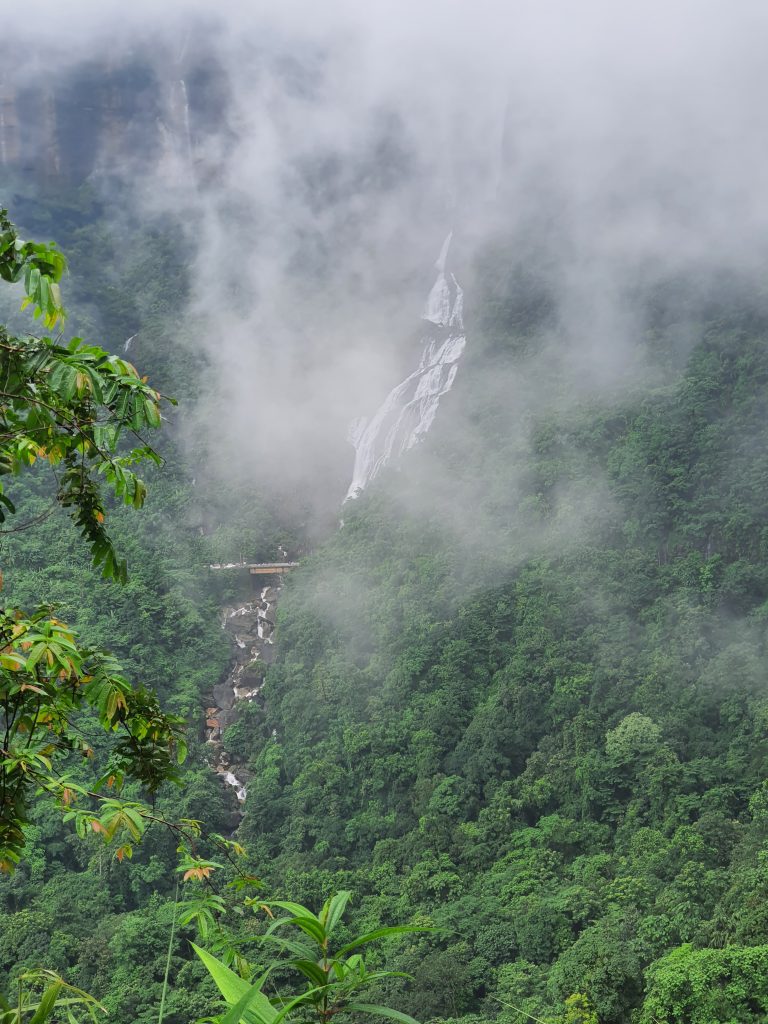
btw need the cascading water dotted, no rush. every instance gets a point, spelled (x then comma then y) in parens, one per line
(185, 117)
(250, 626)
(239, 787)
(408, 411)
(175, 128)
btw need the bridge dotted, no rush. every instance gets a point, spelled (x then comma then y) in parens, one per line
(270, 568)
(258, 568)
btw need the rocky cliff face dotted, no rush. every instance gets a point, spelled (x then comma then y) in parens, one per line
(119, 116)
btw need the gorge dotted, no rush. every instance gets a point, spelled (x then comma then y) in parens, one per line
(517, 701)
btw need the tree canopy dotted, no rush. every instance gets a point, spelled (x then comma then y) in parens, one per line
(81, 411)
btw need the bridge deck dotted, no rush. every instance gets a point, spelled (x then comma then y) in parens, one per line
(267, 568)
(257, 568)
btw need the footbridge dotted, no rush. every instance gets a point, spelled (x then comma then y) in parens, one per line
(258, 568)
(270, 568)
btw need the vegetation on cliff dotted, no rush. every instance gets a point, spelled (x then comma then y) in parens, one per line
(527, 712)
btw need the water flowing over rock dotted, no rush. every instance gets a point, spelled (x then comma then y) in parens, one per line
(239, 787)
(181, 105)
(250, 626)
(408, 411)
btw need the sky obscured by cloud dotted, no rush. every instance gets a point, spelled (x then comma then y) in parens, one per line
(629, 141)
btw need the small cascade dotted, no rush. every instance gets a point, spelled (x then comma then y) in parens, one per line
(239, 787)
(182, 125)
(174, 127)
(251, 626)
(408, 411)
(185, 117)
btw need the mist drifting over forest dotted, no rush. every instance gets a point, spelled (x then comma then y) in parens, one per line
(495, 271)
(611, 148)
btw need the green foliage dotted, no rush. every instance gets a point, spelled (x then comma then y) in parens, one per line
(70, 405)
(41, 995)
(549, 742)
(707, 986)
(42, 267)
(45, 681)
(578, 1010)
(335, 978)
(534, 718)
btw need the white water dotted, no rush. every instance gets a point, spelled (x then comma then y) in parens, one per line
(244, 616)
(185, 117)
(177, 131)
(408, 411)
(438, 307)
(236, 784)
(3, 145)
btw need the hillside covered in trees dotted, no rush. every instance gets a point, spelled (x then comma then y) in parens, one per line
(535, 721)
(517, 699)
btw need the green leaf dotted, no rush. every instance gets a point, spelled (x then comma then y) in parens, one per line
(310, 969)
(293, 908)
(298, 949)
(251, 1003)
(310, 926)
(381, 1011)
(236, 990)
(380, 933)
(335, 910)
(47, 1003)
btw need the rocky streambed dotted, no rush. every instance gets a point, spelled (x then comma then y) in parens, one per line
(251, 627)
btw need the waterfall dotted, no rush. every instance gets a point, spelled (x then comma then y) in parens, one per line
(176, 129)
(231, 780)
(408, 411)
(185, 117)
(250, 625)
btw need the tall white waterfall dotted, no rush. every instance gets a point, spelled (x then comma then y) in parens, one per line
(185, 121)
(407, 413)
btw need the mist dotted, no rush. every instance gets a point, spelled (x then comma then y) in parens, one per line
(603, 148)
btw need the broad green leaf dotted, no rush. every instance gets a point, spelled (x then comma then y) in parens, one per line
(380, 933)
(310, 926)
(336, 907)
(252, 1003)
(310, 969)
(233, 987)
(381, 1011)
(47, 1003)
(293, 908)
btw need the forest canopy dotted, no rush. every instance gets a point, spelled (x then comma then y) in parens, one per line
(70, 406)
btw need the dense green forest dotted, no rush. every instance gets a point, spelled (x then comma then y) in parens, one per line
(527, 709)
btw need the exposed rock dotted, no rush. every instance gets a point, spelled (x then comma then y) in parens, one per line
(251, 626)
